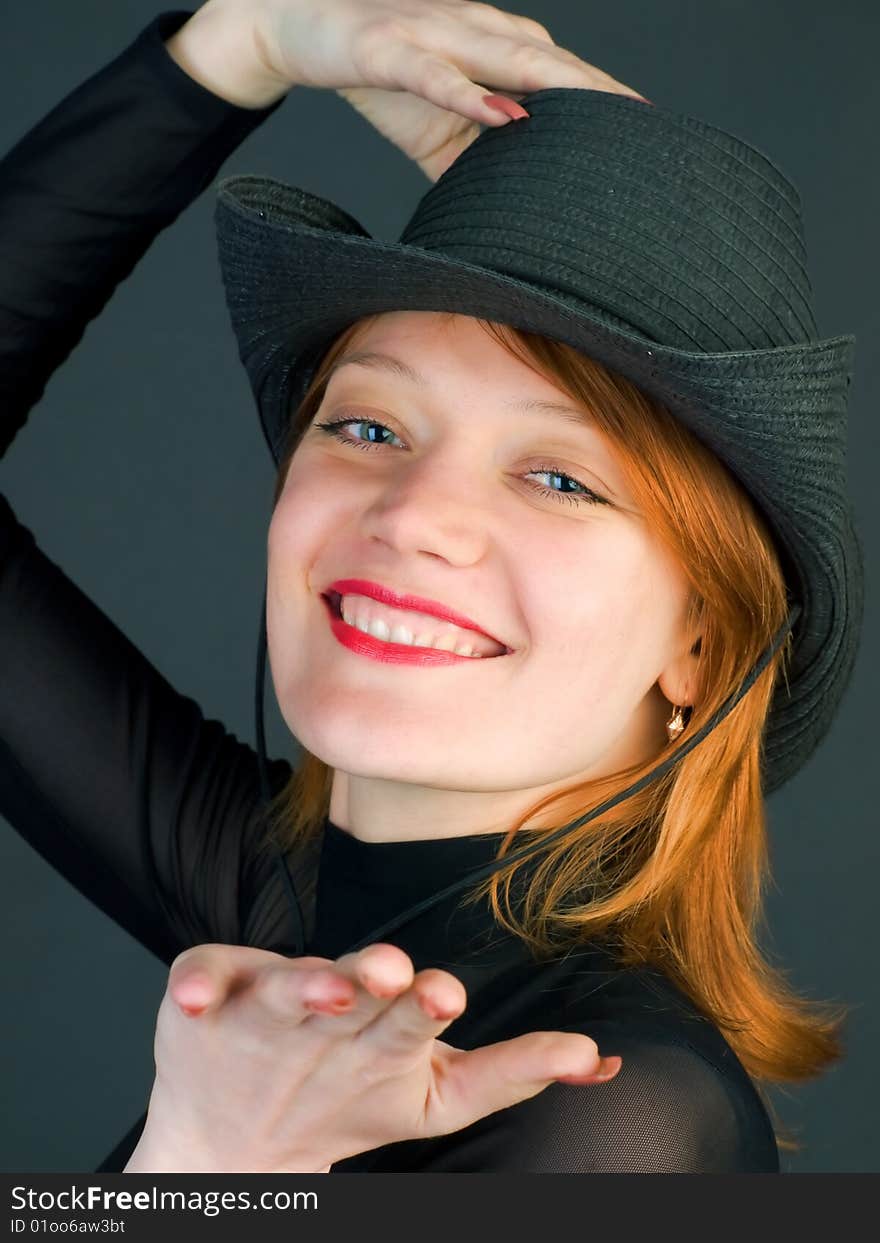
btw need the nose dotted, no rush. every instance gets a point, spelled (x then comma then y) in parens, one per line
(433, 506)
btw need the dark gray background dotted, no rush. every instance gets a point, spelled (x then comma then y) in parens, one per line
(143, 474)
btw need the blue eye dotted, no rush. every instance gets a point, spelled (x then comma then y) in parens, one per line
(332, 429)
(588, 495)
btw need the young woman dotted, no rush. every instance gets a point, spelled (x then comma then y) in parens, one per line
(521, 603)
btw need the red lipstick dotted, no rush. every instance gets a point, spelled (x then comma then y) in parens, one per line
(389, 653)
(418, 604)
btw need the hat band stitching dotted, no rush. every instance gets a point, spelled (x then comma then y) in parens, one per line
(597, 259)
(782, 359)
(562, 272)
(665, 291)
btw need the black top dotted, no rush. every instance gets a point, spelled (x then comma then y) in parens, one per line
(150, 810)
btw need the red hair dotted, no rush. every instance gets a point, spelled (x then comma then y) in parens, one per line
(676, 872)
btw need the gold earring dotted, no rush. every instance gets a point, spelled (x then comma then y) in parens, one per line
(675, 724)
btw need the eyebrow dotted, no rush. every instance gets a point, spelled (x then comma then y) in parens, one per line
(396, 366)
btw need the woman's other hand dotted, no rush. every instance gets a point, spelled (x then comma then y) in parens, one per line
(257, 1072)
(418, 69)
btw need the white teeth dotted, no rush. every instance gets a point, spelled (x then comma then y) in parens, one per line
(378, 629)
(401, 634)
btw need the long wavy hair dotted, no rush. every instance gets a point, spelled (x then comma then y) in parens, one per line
(675, 874)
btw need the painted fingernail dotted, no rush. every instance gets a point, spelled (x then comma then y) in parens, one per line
(514, 110)
(607, 1069)
(329, 1005)
(192, 1011)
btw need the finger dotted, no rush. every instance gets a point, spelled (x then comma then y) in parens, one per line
(500, 21)
(200, 977)
(382, 976)
(386, 973)
(382, 969)
(356, 986)
(196, 979)
(518, 63)
(479, 1082)
(204, 977)
(434, 1000)
(287, 995)
(442, 83)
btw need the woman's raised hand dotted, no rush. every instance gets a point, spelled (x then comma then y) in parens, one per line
(418, 69)
(258, 1071)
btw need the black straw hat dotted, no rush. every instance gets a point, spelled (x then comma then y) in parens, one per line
(671, 251)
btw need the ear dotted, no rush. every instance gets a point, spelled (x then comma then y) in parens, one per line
(680, 680)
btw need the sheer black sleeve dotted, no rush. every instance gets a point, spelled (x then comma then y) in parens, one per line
(669, 1109)
(116, 778)
(112, 775)
(85, 192)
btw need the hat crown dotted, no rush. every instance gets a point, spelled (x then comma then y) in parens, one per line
(652, 220)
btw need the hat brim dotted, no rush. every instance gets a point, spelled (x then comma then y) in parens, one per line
(297, 270)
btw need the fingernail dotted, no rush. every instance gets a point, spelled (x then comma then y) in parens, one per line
(607, 1069)
(191, 1010)
(329, 1005)
(514, 110)
(436, 1012)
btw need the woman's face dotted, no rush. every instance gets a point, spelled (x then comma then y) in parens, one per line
(448, 505)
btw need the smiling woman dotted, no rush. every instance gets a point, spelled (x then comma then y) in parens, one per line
(663, 597)
(616, 496)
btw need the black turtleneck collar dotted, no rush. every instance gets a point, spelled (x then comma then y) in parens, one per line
(361, 885)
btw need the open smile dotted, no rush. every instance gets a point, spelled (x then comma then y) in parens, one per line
(386, 651)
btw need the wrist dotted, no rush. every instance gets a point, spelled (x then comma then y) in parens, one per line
(219, 47)
(153, 1155)
(145, 1160)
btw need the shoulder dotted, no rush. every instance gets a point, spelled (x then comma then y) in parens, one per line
(671, 1040)
(681, 1102)
(669, 1109)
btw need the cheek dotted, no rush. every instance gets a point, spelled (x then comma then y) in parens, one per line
(300, 532)
(601, 604)
(581, 585)
(294, 530)
(292, 544)
(283, 548)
